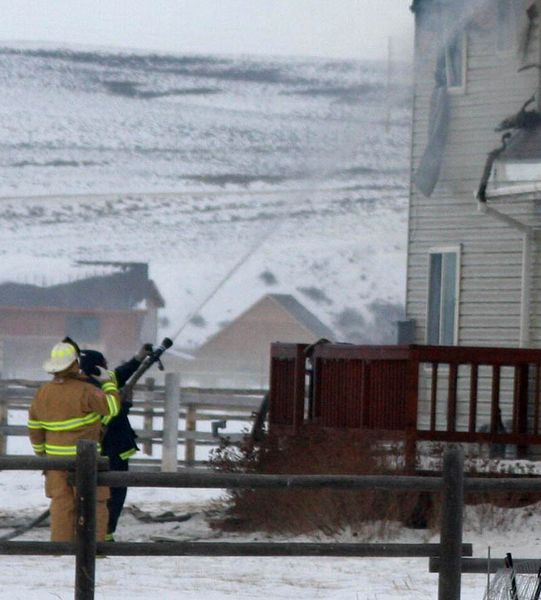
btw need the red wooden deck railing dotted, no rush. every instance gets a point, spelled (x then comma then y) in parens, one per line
(435, 393)
(287, 385)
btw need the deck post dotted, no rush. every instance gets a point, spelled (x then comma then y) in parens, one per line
(451, 524)
(299, 389)
(86, 477)
(520, 405)
(170, 422)
(412, 400)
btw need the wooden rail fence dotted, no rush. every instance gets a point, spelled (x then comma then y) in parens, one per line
(160, 410)
(89, 472)
(449, 558)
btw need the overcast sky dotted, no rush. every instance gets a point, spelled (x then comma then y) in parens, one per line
(331, 28)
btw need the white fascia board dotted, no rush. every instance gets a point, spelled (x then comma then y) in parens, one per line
(517, 170)
(514, 178)
(512, 189)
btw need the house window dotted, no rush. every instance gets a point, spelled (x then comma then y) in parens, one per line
(443, 278)
(504, 27)
(455, 62)
(83, 328)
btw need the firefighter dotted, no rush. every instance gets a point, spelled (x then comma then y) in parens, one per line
(119, 440)
(65, 410)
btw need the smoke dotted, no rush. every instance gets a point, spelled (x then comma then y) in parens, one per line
(443, 23)
(380, 328)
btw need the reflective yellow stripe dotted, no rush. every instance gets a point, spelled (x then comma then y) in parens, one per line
(38, 448)
(67, 425)
(63, 450)
(114, 409)
(60, 450)
(112, 402)
(61, 353)
(127, 454)
(114, 405)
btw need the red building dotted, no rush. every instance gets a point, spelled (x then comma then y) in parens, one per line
(113, 313)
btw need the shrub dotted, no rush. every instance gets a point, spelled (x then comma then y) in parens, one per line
(327, 511)
(368, 513)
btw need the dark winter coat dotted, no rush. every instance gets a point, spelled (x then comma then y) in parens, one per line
(119, 438)
(118, 441)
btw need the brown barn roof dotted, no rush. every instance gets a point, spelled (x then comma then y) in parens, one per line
(123, 290)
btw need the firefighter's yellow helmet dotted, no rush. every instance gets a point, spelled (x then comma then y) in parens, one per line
(62, 356)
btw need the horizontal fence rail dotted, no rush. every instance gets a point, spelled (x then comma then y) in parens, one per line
(198, 478)
(285, 482)
(482, 566)
(372, 550)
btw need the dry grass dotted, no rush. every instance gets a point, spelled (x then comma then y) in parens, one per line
(325, 511)
(366, 514)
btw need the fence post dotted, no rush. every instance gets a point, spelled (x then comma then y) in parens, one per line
(86, 477)
(148, 413)
(3, 421)
(170, 422)
(189, 442)
(451, 524)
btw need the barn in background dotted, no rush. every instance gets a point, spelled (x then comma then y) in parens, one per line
(112, 312)
(239, 354)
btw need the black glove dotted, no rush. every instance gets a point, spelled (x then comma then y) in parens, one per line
(144, 351)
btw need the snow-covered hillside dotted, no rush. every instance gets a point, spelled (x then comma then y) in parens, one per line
(190, 163)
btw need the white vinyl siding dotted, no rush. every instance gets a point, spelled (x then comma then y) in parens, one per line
(505, 27)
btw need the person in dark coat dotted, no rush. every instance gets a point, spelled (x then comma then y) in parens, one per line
(119, 440)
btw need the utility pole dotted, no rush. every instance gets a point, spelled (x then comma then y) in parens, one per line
(389, 81)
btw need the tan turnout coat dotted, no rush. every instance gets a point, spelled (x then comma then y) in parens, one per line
(66, 410)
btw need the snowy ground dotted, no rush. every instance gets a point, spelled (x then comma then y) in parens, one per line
(197, 578)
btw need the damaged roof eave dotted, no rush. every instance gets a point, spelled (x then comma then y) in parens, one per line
(418, 4)
(513, 178)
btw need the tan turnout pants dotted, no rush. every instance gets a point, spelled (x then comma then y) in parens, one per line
(63, 511)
